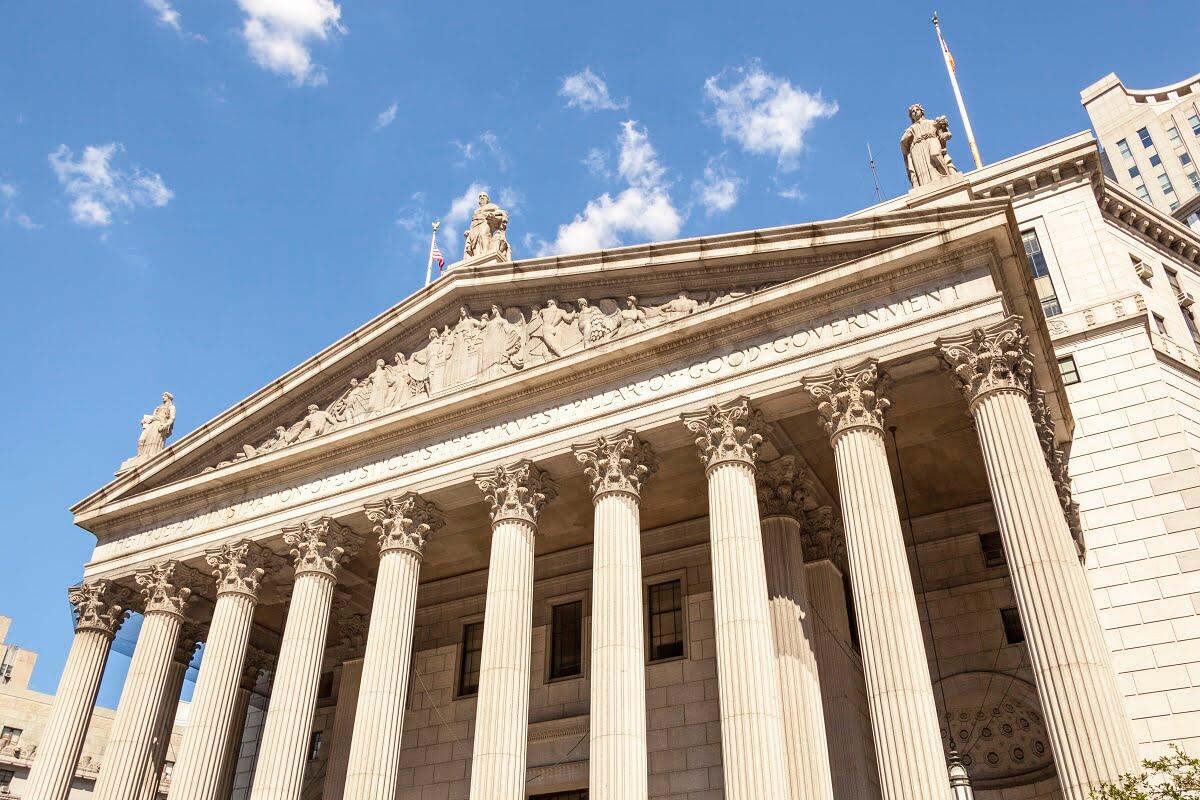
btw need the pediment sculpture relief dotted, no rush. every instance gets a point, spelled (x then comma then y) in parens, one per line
(476, 348)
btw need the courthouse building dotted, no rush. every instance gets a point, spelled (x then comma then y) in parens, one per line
(857, 508)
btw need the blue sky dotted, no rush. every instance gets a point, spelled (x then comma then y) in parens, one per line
(195, 196)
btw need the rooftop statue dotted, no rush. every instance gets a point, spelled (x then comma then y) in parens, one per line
(924, 148)
(488, 231)
(156, 427)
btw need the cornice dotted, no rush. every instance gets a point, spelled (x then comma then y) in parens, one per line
(1147, 222)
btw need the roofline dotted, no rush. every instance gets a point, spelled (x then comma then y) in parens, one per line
(1104, 84)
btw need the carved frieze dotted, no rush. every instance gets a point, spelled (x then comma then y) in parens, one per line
(784, 490)
(729, 431)
(517, 492)
(319, 546)
(404, 522)
(990, 359)
(476, 348)
(620, 463)
(167, 587)
(99, 605)
(852, 398)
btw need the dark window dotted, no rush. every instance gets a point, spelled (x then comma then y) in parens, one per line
(566, 640)
(1155, 160)
(325, 687)
(1160, 324)
(578, 794)
(1144, 135)
(666, 620)
(1194, 121)
(1051, 307)
(1070, 373)
(851, 612)
(1037, 259)
(314, 745)
(1185, 159)
(1195, 179)
(1190, 321)
(11, 735)
(1164, 183)
(468, 665)
(1013, 632)
(1134, 172)
(1173, 280)
(993, 550)
(6, 776)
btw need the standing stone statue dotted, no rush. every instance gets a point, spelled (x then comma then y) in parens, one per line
(488, 231)
(156, 427)
(924, 148)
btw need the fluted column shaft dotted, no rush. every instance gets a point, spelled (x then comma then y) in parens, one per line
(205, 743)
(164, 727)
(98, 616)
(129, 758)
(318, 548)
(130, 754)
(241, 707)
(912, 762)
(618, 767)
(517, 494)
(344, 718)
(796, 661)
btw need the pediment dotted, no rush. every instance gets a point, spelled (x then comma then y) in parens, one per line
(485, 322)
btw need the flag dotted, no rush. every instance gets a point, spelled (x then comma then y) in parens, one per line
(946, 51)
(436, 255)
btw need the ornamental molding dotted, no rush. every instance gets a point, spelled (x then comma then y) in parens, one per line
(851, 398)
(240, 567)
(1056, 462)
(99, 605)
(350, 631)
(727, 432)
(404, 523)
(784, 490)
(620, 463)
(1147, 222)
(517, 492)
(319, 546)
(823, 537)
(167, 587)
(991, 359)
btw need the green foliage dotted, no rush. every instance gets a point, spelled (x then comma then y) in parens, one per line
(1173, 777)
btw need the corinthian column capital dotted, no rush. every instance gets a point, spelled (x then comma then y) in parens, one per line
(239, 567)
(404, 522)
(851, 398)
(991, 359)
(729, 431)
(783, 490)
(190, 637)
(823, 538)
(168, 586)
(257, 662)
(99, 605)
(620, 463)
(319, 545)
(517, 492)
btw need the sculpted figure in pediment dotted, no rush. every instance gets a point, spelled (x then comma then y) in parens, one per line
(464, 351)
(502, 343)
(488, 232)
(632, 318)
(680, 306)
(924, 147)
(380, 381)
(549, 324)
(315, 423)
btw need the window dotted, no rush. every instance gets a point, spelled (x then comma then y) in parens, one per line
(168, 768)
(1041, 274)
(566, 640)
(578, 794)
(665, 603)
(1143, 193)
(1195, 179)
(1160, 324)
(314, 745)
(1144, 135)
(6, 776)
(1123, 146)
(1174, 205)
(11, 735)
(1185, 159)
(325, 685)
(1194, 121)
(1164, 183)
(1155, 160)
(1068, 370)
(468, 664)
(1013, 632)
(1190, 321)
(1134, 172)
(1173, 280)
(993, 550)
(1173, 135)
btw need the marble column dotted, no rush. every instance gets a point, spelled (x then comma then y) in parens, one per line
(783, 494)
(617, 466)
(239, 568)
(318, 547)
(752, 746)
(99, 608)
(517, 494)
(349, 685)
(129, 758)
(403, 525)
(908, 746)
(1085, 714)
(256, 662)
(189, 640)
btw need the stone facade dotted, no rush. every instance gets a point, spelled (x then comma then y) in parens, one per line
(812, 534)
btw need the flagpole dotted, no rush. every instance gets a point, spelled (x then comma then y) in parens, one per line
(962, 107)
(432, 244)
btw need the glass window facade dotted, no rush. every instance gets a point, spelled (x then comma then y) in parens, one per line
(566, 640)
(468, 663)
(666, 620)
(1144, 135)
(1070, 372)
(1041, 274)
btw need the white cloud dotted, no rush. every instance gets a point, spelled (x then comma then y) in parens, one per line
(510, 199)
(596, 162)
(792, 192)
(279, 33)
(486, 142)
(168, 17)
(386, 117)
(765, 113)
(98, 189)
(643, 210)
(720, 188)
(9, 192)
(587, 91)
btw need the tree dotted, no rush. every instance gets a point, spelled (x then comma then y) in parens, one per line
(1175, 776)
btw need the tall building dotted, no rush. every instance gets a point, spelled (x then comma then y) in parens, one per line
(1151, 138)
(25, 713)
(802, 512)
